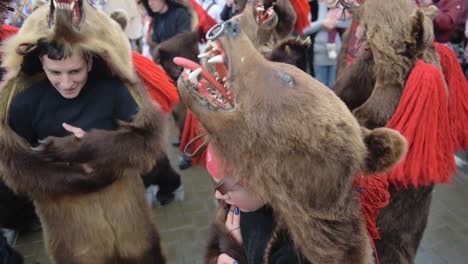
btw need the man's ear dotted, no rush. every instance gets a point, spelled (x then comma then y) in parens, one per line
(90, 63)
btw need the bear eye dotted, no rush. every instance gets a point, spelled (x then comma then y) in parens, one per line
(286, 79)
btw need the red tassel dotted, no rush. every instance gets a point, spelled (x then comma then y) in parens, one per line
(302, 9)
(192, 129)
(374, 196)
(159, 85)
(458, 94)
(422, 118)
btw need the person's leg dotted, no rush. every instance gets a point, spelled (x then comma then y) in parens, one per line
(165, 177)
(331, 45)
(321, 73)
(331, 76)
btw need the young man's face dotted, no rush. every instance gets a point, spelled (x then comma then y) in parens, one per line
(157, 6)
(68, 75)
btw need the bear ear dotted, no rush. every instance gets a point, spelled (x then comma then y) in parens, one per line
(422, 28)
(386, 147)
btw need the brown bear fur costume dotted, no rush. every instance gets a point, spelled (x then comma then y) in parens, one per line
(293, 142)
(88, 217)
(397, 34)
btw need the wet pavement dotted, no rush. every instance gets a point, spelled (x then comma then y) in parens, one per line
(183, 225)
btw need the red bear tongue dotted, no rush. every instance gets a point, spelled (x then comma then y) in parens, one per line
(191, 65)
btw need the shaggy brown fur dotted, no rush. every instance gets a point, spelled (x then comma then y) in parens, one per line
(291, 51)
(181, 45)
(88, 217)
(287, 137)
(397, 34)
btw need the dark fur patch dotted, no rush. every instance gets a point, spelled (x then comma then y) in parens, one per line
(386, 148)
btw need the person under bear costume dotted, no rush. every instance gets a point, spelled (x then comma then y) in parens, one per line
(97, 215)
(292, 141)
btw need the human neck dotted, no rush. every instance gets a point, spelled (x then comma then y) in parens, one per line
(164, 9)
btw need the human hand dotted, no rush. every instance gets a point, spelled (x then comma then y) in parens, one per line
(64, 149)
(225, 259)
(229, 3)
(329, 24)
(233, 223)
(78, 132)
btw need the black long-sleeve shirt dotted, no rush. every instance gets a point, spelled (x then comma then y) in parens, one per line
(39, 111)
(256, 230)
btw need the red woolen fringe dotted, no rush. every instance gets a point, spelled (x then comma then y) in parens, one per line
(302, 9)
(458, 96)
(374, 195)
(159, 85)
(192, 129)
(422, 118)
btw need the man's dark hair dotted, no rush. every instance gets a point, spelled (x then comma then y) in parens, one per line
(57, 51)
(54, 50)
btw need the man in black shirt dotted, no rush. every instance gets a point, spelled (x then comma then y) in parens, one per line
(69, 101)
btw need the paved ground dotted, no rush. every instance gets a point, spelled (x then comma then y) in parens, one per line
(184, 224)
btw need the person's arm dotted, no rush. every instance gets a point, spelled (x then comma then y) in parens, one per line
(344, 23)
(226, 12)
(318, 24)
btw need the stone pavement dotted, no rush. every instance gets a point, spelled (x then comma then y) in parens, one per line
(183, 225)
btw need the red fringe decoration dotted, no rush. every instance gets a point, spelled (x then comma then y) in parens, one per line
(374, 196)
(159, 85)
(422, 118)
(352, 44)
(302, 9)
(192, 129)
(458, 94)
(6, 31)
(205, 21)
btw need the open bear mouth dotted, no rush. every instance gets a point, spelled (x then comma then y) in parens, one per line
(209, 83)
(263, 17)
(73, 7)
